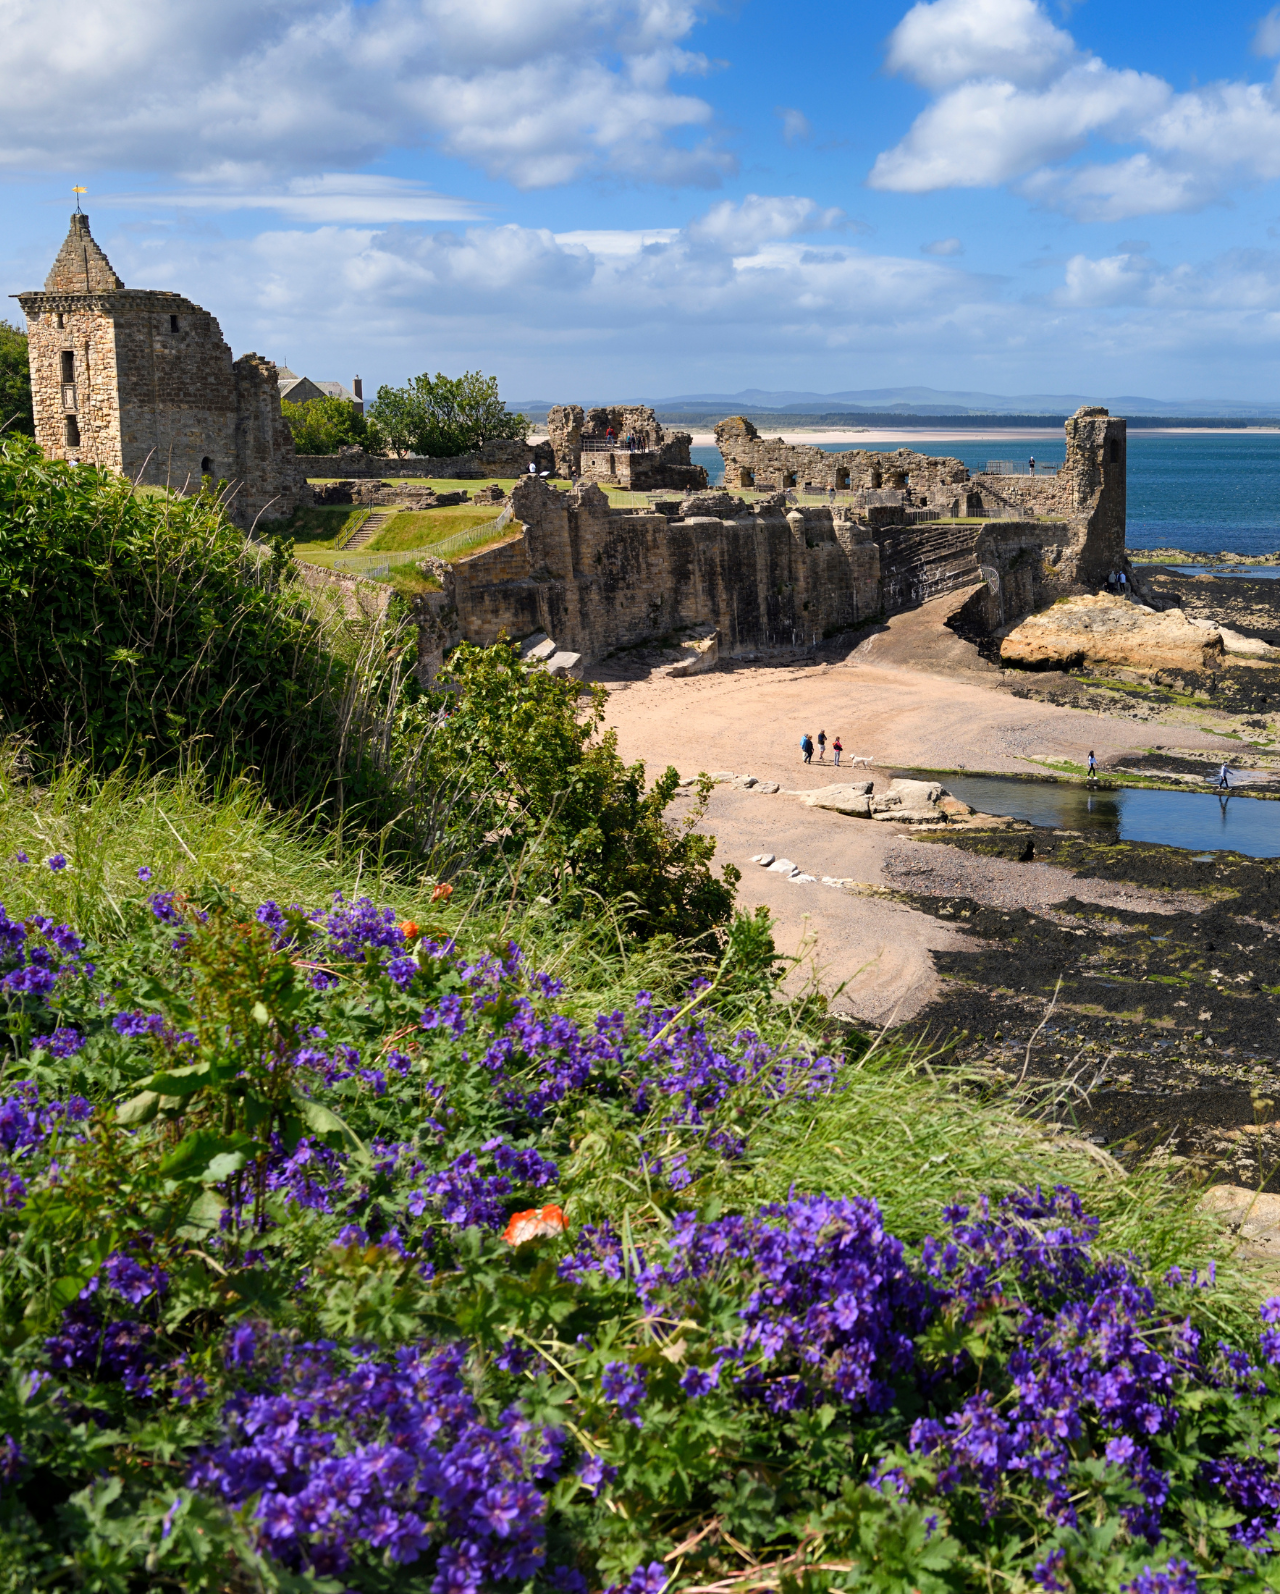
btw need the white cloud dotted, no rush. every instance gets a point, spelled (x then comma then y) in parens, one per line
(943, 246)
(330, 197)
(795, 125)
(759, 218)
(241, 90)
(951, 41)
(1117, 279)
(1015, 99)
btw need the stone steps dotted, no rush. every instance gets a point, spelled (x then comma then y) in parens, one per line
(917, 565)
(376, 521)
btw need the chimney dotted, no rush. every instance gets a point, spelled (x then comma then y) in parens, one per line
(357, 387)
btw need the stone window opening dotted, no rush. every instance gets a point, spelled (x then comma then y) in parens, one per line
(789, 478)
(206, 466)
(60, 319)
(876, 480)
(746, 478)
(842, 481)
(173, 323)
(1115, 451)
(72, 432)
(68, 365)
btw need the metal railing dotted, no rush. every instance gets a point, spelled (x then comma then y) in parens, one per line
(619, 445)
(1020, 467)
(350, 526)
(375, 565)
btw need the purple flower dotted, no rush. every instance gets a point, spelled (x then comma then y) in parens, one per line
(700, 1380)
(56, 863)
(651, 1579)
(242, 1343)
(1178, 1577)
(62, 1043)
(624, 1387)
(12, 1460)
(134, 1024)
(22, 857)
(144, 873)
(595, 1473)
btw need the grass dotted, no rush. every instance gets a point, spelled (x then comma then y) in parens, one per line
(905, 1128)
(419, 528)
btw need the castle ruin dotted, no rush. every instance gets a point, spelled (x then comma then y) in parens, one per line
(141, 381)
(621, 445)
(778, 572)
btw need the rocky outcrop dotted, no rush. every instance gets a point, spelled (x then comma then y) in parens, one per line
(1110, 632)
(910, 802)
(853, 799)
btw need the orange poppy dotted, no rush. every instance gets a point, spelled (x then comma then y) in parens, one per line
(442, 892)
(409, 930)
(533, 1224)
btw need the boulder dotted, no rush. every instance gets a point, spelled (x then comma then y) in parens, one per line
(910, 802)
(1111, 632)
(1249, 647)
(853, 799)
(701, 650)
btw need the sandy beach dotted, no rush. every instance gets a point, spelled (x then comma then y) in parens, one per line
(877, 436)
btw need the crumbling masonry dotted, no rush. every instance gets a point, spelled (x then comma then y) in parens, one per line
(779, 573)
(140, 381)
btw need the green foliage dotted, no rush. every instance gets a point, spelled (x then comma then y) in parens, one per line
(324, 425)
(551, 794)
(144, 630)
(16, 413)
(443, 415)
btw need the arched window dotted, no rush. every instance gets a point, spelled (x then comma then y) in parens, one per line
(72, 432)
(746, 478)
(206, 466)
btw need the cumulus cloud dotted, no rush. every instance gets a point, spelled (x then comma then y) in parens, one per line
(943, 246)
(328, 197)
(760, 218)
(239, 91)
(1015, 99)
(1266, 38)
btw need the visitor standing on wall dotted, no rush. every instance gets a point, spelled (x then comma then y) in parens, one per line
(1031, 464)
(806, 747)
(822, 746)
(837, 747)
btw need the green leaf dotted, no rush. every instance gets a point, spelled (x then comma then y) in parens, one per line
(323, 1122)
(139, 1109)
(192, 1156)
(180, 1081)
(223, 1166)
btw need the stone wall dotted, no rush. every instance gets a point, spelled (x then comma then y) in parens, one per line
(142, 382)
(655, 461)
(770, 464)
(497, 458)
(598, 579)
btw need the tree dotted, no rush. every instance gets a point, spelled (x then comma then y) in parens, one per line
(15, 382)
(324, 425)
(444, 415)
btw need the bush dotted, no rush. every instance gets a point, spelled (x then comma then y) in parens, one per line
(324, 425)
(145, 630)
(551, 795)
(16, 412)
(341, 1256)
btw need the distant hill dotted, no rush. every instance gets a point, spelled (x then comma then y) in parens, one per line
(870, 405)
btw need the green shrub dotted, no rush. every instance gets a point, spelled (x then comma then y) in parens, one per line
(551, 795)
(145, 630)
(16, 412)
(324, 425)
(444, 415)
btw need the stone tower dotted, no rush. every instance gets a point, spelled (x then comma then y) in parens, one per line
(141, 381)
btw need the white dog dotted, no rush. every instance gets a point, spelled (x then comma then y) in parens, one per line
(865, 762)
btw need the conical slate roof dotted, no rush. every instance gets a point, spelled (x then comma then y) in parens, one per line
(81, 267)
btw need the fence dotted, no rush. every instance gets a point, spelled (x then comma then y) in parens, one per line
(1020, 467)
(620, 445)
(350, 526)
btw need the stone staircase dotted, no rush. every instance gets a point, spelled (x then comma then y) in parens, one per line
(925, 561)
(376, 521)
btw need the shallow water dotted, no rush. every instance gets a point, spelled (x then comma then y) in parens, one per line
(1200, 821)
(1261, 572)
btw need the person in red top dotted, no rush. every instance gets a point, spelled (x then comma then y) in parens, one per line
(837, 747)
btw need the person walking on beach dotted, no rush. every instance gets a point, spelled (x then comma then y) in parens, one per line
(806, 747)
(822, 747)
(1224, 778)
(1093, 766)
(837, 747)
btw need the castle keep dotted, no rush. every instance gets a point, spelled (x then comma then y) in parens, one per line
(141, 381)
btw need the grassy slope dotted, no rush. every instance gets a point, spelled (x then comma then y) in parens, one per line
(910, 1133)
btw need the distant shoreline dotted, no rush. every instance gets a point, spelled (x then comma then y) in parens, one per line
(872, 437)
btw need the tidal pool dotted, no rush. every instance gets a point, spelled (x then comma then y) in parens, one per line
(1201, 821)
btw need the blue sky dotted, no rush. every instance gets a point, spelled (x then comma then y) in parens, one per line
(637, 198)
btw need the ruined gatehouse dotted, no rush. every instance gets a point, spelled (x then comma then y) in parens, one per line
(141, 381)
(621, 445)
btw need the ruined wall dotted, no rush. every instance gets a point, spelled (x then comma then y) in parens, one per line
(657, 461)
(496, 458)
(597, 579)
(754, 461)
(152, 390)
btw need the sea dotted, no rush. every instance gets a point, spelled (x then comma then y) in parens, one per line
(1205, 492)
